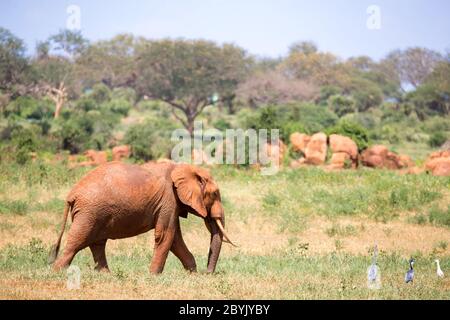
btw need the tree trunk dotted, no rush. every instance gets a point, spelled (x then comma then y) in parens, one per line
(59, 105)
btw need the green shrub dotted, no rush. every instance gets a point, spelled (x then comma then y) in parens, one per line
(30, 108)
(289, 128)
(150, 140)
(304, 117)
(119, 106)
(271, 200)
(420, 219)
(127, 94)
(366, 94)
(437, 139)
(341, 105)
(353, 131)
(85, 130)
(25, 141)
(326, 92)
(86, 104)
(100, 93)
(222, 124)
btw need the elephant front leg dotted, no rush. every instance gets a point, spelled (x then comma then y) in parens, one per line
(180, 250)
(163, 242)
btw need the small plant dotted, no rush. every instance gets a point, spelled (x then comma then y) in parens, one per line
(338, 244)
(420, 219)
(120, 274)
(440, 246)
(271, 200)
(440, 217)
(343, 231)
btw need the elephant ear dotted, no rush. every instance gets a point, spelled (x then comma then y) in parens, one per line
(189, 184)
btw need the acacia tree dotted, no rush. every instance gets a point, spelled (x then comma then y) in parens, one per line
(186, 74)
(110, 62)
(411, 66)
(273, 87)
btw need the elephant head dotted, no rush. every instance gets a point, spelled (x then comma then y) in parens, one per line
(197, 190)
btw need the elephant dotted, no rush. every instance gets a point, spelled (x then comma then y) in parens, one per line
(118, 200)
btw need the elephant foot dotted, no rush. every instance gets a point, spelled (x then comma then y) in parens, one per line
(102, 269)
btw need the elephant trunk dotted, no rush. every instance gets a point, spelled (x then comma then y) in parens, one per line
(215, 245)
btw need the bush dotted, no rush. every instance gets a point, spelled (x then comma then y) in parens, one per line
(289, 128)
(127, 94)
(25, 141)
(341, 105)
(326, 92)
(30, 108)
(437, 139)
(221, 124)
(305, 117)
(353, 131)
(100, 93)
(366, 94)
(86, 104)
(118, 106)
(85, 130)
(150, 140)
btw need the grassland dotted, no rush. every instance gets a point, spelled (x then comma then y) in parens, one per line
(302, 234)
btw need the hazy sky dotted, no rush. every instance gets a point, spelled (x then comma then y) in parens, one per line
(262, 27)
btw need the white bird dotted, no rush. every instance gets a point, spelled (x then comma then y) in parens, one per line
(439, 272)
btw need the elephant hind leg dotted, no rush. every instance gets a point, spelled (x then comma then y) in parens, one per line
(98, 252)
(65, 259)
(80, 236)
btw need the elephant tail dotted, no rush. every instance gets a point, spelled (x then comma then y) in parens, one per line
(55, 248)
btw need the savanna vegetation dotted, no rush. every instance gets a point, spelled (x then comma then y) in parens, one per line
(302, 233)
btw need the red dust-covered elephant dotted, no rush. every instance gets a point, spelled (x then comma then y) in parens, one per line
(118, 200)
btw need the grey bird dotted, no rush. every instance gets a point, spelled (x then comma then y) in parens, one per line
(409, 277)
(373, 269)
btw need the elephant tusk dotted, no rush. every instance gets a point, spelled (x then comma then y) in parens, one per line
(227, 239)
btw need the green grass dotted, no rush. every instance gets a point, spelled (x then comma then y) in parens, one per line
(285, 204)
(287, 274)
(19, 207)
(440, 217)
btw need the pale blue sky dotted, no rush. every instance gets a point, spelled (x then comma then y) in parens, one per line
(261, 27)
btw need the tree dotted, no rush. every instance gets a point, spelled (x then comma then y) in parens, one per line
(305, 47)
(13, 63)
(272, 87)
(312, 66)
(411, 66)
(110, 62)
(187, 74)
(55, 66)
